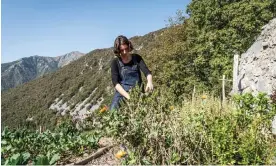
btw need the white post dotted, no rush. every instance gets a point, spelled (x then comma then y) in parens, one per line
(223, 88)
(193, 97)
(235, 73)
(274, 125)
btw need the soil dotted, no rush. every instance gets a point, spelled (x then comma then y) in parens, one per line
(107, 158)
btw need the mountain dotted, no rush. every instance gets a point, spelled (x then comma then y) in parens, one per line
(29, 68)
(67, 58)
(182, 57)
(76, 89)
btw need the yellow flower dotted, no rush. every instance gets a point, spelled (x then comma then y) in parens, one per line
(120, 154)
(204, 96)
(171, 108)
(105, 108)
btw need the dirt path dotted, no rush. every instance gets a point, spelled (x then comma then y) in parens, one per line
(105, 155)
(108, 158)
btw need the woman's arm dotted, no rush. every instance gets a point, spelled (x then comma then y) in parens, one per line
(146, 72)
(121, 90)
(115, 79)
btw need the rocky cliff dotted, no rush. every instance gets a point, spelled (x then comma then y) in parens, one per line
(257, 67)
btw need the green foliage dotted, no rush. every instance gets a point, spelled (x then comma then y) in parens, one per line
(198, 50)
(219, 29)
(25, 146)
(254, 115)
(158, 131)
(250, 106)
(34, 98)
(193, 51)
(46, 160)
(18, 159)
(163, 127)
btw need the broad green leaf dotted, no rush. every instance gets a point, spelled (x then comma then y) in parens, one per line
(26, 156)
(3, 142)
(41, 160)
(54, 159)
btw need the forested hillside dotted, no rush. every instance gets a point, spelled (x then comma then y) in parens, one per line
(72, 84)
(192, 52)
(172, 125)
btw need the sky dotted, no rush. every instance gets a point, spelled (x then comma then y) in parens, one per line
(56, 27)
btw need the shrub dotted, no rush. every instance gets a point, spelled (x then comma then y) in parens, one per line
(158, 131)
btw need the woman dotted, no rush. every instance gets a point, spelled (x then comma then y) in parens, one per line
(125, 71)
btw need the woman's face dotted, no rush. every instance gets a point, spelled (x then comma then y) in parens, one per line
(124, 49)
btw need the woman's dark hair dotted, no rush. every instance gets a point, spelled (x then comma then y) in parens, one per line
(120, 40)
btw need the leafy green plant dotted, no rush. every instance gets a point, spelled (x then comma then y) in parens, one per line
(18, 159)
(20, 146)
(46, 160)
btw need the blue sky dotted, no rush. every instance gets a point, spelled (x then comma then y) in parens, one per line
(56, 27)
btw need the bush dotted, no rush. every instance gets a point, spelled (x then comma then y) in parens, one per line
(158, 131)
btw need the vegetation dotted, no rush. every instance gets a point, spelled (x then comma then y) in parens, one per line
(193, 51)
(20, 147)
(34, 98)
(168, 126)
(198, 50)
(202, 131)
(157, 130)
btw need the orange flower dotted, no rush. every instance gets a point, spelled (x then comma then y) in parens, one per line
(120, 154)
(171, 108)
(105, 108)
(204, 97)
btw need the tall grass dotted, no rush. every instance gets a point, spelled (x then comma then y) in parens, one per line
(203, 131)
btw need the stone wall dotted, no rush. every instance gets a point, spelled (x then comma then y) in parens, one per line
(257, 67)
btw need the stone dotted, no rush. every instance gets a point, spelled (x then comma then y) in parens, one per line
(104, 141)
(257, 66)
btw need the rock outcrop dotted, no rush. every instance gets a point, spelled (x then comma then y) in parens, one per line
(257, 68)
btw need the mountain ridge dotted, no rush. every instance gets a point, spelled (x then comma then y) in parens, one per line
(76, 88)
(28, 68)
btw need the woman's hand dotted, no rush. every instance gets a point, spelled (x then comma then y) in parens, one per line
(127, 96)
(149, 87)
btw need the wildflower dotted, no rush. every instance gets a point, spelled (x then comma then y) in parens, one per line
(204, 97)
(171, 108)
(105, 108)
(120, 154)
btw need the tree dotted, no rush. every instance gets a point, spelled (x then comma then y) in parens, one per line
(200, 49)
